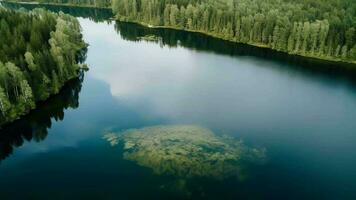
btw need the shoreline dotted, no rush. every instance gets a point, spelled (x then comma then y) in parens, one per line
(329, 59)
(353, 63)
(27, 112)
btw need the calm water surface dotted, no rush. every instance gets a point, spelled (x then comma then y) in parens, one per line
(297, 114)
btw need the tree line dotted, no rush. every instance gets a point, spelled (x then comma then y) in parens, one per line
(315, 28)
(324, 29)
(93, 3)
(198, 41)
(94, 14)
(39, 52)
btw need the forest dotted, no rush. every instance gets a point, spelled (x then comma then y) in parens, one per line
(90, 3)
(94, 14)
(314, 28)
(324, 29)
(39, 52)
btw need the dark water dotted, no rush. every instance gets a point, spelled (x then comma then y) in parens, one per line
(300, 112)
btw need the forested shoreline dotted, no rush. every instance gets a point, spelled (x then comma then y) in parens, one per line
(94, 14)
(311, 28)
(35, 125)
(39, 52)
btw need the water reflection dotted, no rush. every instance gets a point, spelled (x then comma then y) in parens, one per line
(248, 96)
(302, 113)
(196, 41)
(330, 71)
(307, 66)
(35, 126)
(186, 151)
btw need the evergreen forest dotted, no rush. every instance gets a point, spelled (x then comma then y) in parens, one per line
(89, 3)
(323, 29)
(39, 52)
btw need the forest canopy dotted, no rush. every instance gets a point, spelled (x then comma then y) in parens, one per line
(39, 52)
(92, 3)
(314, 28)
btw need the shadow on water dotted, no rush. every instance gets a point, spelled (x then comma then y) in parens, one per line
(197, 41)
(34, 126)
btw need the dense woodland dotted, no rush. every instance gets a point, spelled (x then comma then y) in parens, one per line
(39, 53)
(94, 14)
(316, 28)
(323, 29)
(93, 3)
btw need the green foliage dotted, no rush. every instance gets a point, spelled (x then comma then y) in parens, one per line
(93, 3)
(39, 53)
(316, 28)
(324, 29)
(94, 14)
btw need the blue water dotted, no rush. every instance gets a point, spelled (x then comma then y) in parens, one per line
(300, 111)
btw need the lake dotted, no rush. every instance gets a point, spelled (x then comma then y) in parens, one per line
(175, 115)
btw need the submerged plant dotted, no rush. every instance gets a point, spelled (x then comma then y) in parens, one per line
(185, 151)
(150, 38)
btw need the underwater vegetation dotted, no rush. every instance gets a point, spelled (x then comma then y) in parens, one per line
(148, 38)
(186, 151)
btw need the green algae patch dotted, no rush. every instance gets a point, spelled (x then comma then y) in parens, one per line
(186, 151)
(150, 38)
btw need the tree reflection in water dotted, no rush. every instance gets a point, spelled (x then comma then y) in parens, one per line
(308, 67)
(34, 126)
